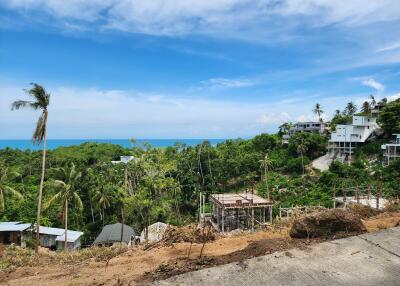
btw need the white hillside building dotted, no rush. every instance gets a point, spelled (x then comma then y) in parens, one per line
(347, 137)
(391, 151)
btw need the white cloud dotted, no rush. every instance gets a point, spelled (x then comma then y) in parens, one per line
(379, 87)
(273, 118)
(228, 83)
(94, 113)
(224, 17)
(393, 97)
(390, 47)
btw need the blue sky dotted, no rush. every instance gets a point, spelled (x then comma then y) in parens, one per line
(192, 69)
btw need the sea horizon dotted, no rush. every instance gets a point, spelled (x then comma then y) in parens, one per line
(27, 144)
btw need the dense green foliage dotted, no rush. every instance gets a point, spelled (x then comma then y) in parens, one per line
(389, 118)
(163, 184)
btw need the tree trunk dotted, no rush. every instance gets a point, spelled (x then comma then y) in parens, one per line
(266, 181)
(40, 194)
(123, 221)
(66, 225)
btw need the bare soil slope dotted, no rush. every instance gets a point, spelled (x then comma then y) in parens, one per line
(136, 266)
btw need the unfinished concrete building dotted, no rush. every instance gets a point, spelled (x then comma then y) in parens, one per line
(239, 211)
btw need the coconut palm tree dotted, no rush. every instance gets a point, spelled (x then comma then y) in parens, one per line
(5, 190)
(67, 193)
(373, 101)
(40, 100)
(103, 196)
(366, 107)
(266, 163)
(301, 149)
(317, 110)
(351, 108)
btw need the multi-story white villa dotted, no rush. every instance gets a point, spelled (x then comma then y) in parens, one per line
(347, 137)
(314, 127)
(391, 151)
(311, 126)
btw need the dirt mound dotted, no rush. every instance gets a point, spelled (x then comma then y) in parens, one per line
(363, 211)
(189, 233)
(392, 206)
(327, 223)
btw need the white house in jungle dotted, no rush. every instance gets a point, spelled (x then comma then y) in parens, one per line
(347, 137)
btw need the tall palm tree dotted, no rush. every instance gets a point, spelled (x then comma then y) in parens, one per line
(40, 100)
(373, 101)
(318, 110)
(68, 188)
(337, 113)
(266, 163)
(5, 189)
(301, 149)
(366, 107)
(103, 197)
(351, 108)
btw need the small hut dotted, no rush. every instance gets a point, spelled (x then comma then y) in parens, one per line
(53, 238)
(111, 234)
(14, 232)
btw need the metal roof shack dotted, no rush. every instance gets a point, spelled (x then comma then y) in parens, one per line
(54, 238)
(241, 200)
(14, 232)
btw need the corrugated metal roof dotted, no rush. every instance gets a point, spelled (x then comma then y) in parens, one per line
(72, 236)
(9, 222)
(14, 226)
(51, 230)
(112, 233)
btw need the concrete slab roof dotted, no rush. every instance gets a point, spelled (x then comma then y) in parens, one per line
(245, 200)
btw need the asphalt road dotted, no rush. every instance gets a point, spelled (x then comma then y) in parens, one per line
(368, 259)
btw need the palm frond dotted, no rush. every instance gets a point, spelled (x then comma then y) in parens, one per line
(13, 192)
(78, 201)
(40, 130)
(53, 199)
(18, 104)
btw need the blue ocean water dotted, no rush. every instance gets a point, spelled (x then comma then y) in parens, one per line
(55, 143)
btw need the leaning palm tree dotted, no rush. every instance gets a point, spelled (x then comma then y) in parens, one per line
(5, 190)
(67, 193)
(40, 100)
(266, 163)
(317, 110)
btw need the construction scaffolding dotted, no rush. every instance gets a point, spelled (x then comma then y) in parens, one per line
(239, 211)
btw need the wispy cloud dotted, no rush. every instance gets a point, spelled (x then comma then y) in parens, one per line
(391, 47)
(176, 17)
(228, 83)
(379, 87)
